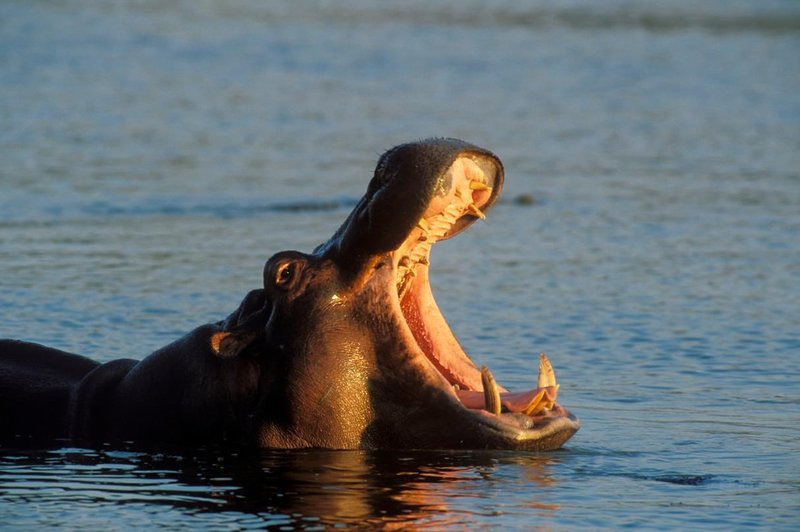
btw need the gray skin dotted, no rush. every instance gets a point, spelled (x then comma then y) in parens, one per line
(321, 356)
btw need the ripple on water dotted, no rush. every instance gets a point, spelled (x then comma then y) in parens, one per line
(156, 154)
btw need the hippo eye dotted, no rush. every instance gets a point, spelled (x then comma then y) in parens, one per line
(285, 273)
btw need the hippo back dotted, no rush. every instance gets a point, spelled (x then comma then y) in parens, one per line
(35, 387)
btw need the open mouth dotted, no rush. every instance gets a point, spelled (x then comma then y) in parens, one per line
(465, 192)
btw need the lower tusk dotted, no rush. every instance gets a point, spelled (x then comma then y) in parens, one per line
(491, 395)
(547, 377)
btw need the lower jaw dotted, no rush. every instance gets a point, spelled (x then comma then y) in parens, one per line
(522, 422)
(429, 331)
(547, 433)
(432, 335)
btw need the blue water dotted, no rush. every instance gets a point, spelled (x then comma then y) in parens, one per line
(155, 154)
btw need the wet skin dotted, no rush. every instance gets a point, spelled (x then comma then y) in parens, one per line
(342, 348)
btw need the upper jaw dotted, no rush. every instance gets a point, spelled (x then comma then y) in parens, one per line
(410, 182)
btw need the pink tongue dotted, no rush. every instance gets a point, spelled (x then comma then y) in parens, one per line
(511, 401)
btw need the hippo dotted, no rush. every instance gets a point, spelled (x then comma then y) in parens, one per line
(342, 348)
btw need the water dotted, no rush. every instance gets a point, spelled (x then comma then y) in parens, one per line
(154, 154)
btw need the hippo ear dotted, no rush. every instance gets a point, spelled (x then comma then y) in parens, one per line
(227, 344)
(243, 326)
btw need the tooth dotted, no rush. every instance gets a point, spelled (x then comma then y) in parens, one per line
(548, 404)
(543, 400)
(477, 185)
(476, 211)
(547, 377)
(536, 404)
(491, 395)
(422, 224)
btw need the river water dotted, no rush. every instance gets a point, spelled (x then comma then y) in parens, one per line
(156, 153)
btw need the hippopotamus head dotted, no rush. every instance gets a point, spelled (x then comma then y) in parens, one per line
(354, 351)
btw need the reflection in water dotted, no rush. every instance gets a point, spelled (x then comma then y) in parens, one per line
(298, 488)
(371, 487)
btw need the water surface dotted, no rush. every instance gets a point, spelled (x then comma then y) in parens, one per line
(155, 154)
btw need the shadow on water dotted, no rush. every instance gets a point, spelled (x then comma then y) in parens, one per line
(294, 488)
